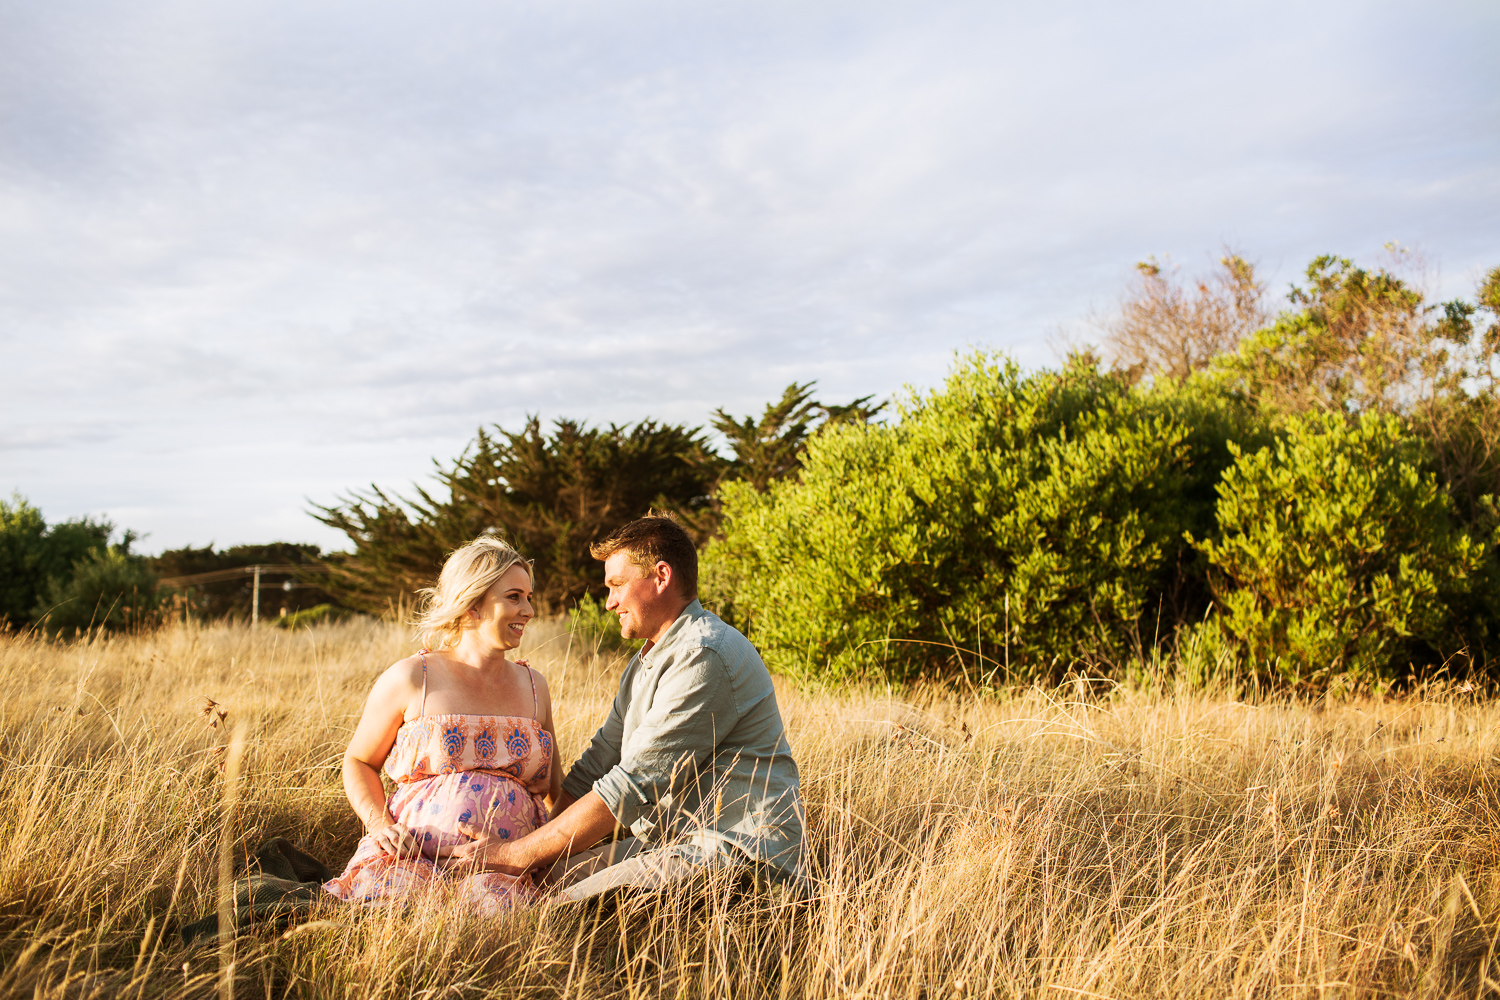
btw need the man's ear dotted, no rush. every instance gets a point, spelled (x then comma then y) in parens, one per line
(663, 577)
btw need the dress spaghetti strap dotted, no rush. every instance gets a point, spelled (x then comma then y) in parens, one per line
(536, 706)
(423, 710)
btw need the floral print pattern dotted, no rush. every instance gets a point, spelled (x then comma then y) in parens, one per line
(450, 770)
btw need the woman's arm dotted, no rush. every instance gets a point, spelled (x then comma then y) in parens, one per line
(385, 710)
(544, 704)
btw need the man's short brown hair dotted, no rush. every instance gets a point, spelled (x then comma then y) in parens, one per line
(653, 539)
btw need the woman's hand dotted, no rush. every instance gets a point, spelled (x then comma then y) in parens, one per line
(396, 840)
(486, 852)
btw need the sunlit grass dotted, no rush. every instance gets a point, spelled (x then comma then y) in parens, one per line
(1087, 841)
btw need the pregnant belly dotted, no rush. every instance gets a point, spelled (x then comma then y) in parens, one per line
(433, 808)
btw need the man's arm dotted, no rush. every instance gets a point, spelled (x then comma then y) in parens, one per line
(692, 709)
(603, 751)
(577, 828)
(560, 805)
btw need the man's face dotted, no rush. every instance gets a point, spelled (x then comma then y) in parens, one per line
(643, 601)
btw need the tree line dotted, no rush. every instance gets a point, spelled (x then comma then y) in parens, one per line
(554, 492)
(80, 574)
(1305, 495)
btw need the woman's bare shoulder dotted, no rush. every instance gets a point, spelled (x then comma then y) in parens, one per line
(543, 692)
(400, 678)
(536, 675)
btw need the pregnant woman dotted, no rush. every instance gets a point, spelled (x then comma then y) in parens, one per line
(465, 734)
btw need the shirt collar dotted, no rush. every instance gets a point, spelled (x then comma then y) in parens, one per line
(690, 614)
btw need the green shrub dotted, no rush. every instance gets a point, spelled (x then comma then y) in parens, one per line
(1007, 523)
(108, 588)
(1336, 553)
(35, 557)
(318, 614)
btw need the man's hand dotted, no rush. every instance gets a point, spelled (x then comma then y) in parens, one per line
(487, 852)
(396, 841)
(578, 828)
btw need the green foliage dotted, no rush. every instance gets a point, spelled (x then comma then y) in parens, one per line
(771, 448)
(1032, 520)
(107, 588)
(1017, 524)
(232, 598)
(550, 495)
(36, 558)
(23, 536)
(318, 614)
(1357, 341)
(1336, 552)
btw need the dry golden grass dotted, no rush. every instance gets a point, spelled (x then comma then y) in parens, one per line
(1063, 844)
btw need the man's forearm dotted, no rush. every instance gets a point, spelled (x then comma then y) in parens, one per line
(577, 827)
(560, 805)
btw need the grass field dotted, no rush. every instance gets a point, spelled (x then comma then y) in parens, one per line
(1088, 841)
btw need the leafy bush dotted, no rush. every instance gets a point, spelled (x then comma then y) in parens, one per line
(318, 614)
(36, 557)
(108, 588)
(1007, 522)
(1336, 552)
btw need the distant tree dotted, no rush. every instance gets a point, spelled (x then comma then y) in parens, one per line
(1367, 341)
(550, 494)
(34, 556)
(1359, 342)
(1166, 330)
(772, 447)
(1355, 340)
(555, 495)
(233, 598)
(23, 535)
(399, 546)
(108, 588)
(1460, 416)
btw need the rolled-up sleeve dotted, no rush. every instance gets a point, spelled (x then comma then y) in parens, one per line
(602, 754)
(693, 708)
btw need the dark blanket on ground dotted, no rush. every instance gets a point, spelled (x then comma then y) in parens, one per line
(282, 884)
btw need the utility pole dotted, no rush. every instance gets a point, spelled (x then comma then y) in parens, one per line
(239, 572)
(255, 601)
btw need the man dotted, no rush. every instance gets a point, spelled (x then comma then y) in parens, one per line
(693, 758)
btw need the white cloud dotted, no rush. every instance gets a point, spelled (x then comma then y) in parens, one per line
(256, 252)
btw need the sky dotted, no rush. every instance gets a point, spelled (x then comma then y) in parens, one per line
(255, 255)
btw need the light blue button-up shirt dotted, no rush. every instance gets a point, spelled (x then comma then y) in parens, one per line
(694, 749)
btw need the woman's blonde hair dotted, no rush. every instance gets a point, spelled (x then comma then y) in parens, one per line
(466, 575)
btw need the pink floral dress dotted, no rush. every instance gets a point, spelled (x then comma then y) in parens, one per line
(489, 771)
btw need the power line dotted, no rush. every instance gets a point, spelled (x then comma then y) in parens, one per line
(214, 576)
(254, 572)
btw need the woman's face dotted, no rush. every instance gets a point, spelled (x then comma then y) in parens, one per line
(504, 610)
